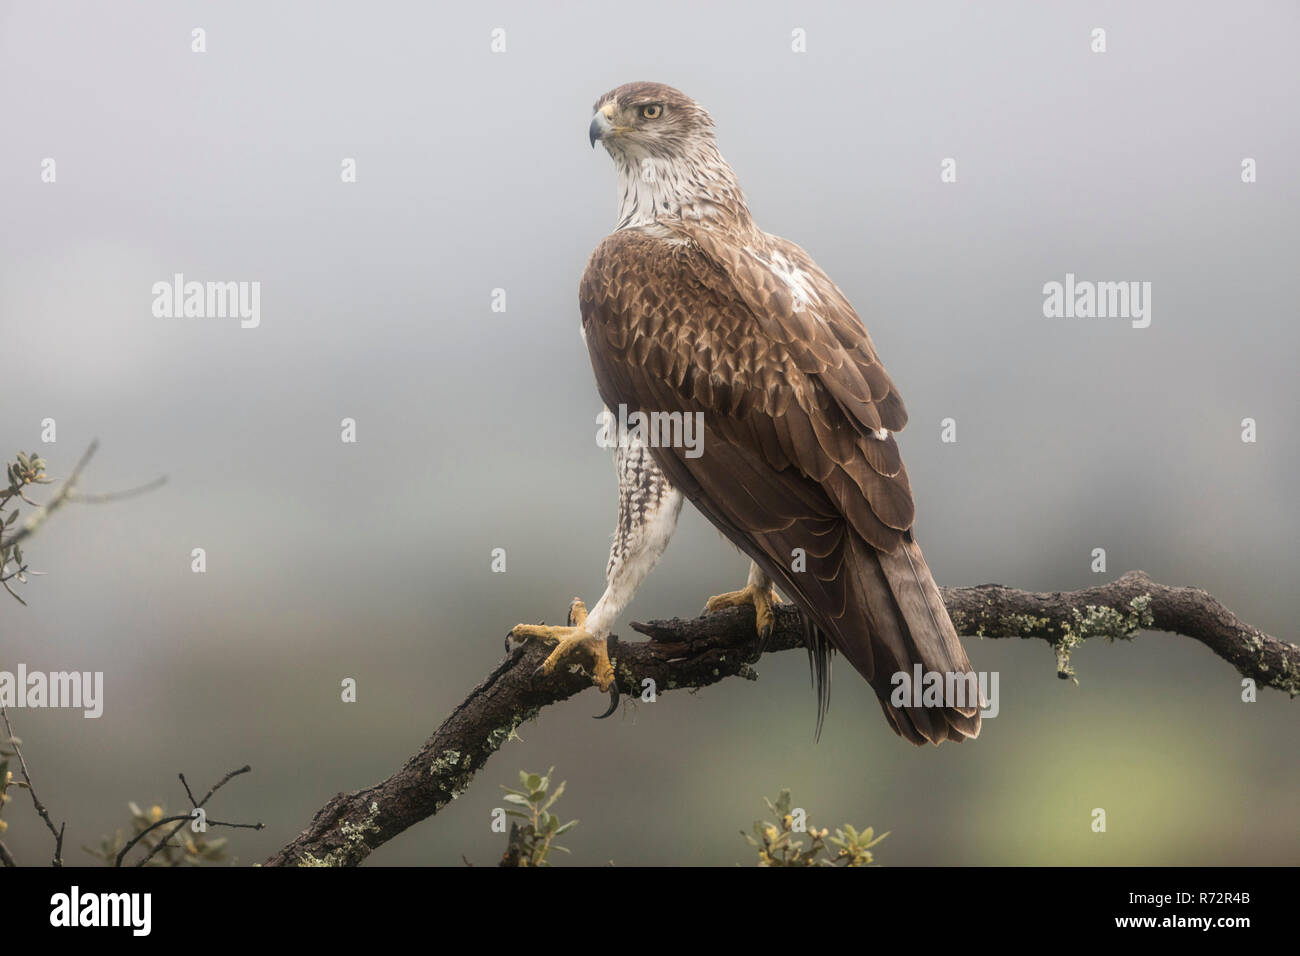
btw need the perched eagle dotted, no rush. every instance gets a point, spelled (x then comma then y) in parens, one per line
(689, 307)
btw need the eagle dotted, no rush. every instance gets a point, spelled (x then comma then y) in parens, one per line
(690, 309)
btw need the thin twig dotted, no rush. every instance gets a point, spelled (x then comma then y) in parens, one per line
(107, 496)
(40, 807)
(188, 792)
(13, 574)
(181, 819)
(221, 783)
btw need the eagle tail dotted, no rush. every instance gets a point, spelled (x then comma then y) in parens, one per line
(820, 650)
(906, 625)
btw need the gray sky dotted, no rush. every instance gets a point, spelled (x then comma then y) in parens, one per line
(371, 560)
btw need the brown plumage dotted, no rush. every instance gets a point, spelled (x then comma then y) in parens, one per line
(689, 307)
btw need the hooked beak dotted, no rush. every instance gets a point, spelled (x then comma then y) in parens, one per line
(600, 125)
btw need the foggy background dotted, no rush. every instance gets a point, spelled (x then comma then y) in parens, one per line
(476, 429)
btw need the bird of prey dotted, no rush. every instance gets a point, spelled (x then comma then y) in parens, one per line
(688, 307)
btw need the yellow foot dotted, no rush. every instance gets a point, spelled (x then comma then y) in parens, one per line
(762, 598)
(574, 639)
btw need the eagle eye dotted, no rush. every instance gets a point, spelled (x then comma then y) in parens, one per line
(652, 111)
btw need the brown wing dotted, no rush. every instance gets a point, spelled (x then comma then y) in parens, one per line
(793, 397)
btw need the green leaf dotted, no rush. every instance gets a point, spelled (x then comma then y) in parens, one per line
(517, 798)
(555, 796)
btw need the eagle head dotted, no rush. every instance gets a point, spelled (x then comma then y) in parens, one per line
(649, 120)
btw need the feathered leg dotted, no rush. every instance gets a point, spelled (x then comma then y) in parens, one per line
(648, 507)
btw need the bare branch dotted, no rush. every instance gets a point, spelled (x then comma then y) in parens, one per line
(704, 650)
(16, 744)
(181, 819)
(219, 784)
(110, 496)
(188, 792)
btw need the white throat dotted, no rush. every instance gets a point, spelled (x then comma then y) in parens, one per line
(698, 186)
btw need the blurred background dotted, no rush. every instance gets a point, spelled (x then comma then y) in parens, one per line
(476, 429)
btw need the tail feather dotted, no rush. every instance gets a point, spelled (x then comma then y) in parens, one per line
(819, 667)
(907, 624)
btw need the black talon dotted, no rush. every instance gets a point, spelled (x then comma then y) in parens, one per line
(610, 643)
(613, 702)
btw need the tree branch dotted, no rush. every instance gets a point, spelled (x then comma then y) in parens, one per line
(702, 651)
(1121, 609)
